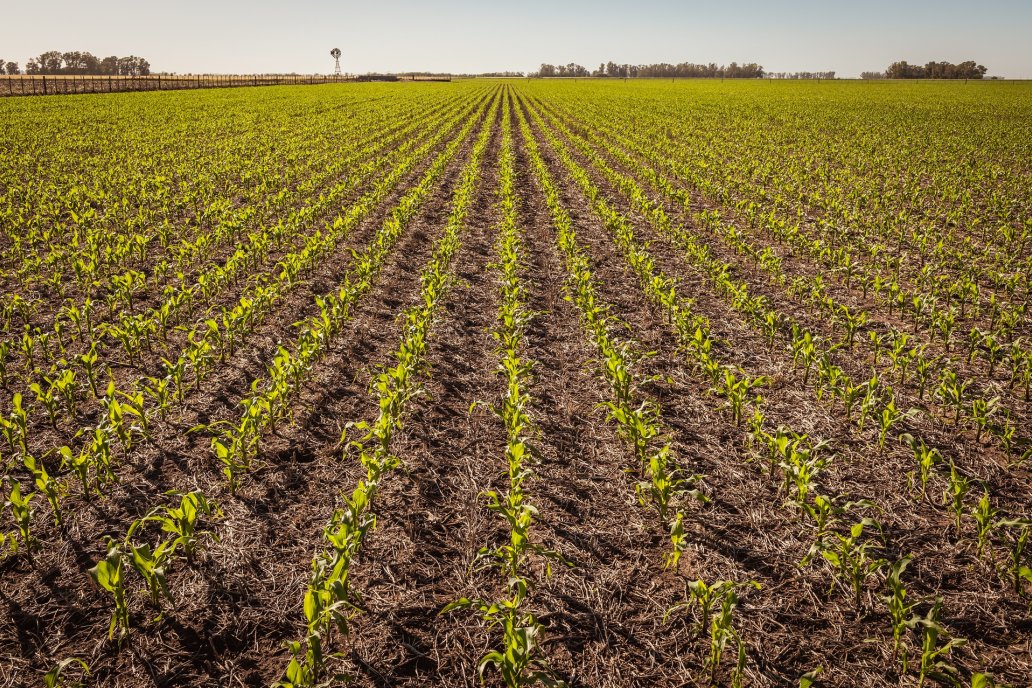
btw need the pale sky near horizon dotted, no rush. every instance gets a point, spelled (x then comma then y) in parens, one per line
(467, 36)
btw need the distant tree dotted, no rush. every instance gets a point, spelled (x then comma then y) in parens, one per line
(50, 62)
(133, 66)
(801, 75)
(567, 70)
(935, 70)
(489, 74)
(749, 70)
(77, 62)
(872, 75)
(80, 63)
(687, 70)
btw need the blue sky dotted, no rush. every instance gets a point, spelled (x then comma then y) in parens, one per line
(462, 35)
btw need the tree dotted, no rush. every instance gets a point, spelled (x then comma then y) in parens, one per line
(50, 62)
(801, 75)
(935, 70)
(77, 62)
(80, 63)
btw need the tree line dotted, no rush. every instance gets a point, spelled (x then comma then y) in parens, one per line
(682, 70)
(930, 70)
(801, 75)
(76, 62)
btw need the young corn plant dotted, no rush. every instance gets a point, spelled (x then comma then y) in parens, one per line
(88, 361)
(80, 463)
(983, 412)
(934, 654)
(927, 459)
(889, 417)
(800, 467)
(109, 575)
(181, 521)
(955, 493)
(151, 564)
(901, 610)
(715, 604)
(851, 560)
(21, 511)
(985, 520)
(48, 401)
(951, 391)
(1016, 532)
(160, 392)
(57, 677)
(737, 391)
(15, 428)
(52, 489)
(826, 514)
(520, 663)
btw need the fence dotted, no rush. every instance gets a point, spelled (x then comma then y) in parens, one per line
(60, 84)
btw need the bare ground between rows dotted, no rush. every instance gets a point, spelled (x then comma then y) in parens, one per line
(609, 605)
(190, 224)
(882, 321)
(190, 215)
(814, 214)
(252, 353)
(737, 536)
(126, 373)
(989, 467)
(431, 515)
(243, 599)
(973, 600)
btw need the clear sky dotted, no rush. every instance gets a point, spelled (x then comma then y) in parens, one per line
(467, 36)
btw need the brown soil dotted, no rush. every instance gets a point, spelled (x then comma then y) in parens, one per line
(603, 605)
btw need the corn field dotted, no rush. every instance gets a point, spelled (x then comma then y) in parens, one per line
(518, 383)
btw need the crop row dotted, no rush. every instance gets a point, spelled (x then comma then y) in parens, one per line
(329, 600)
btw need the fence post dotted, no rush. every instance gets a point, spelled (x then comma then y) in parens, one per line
(44, 84)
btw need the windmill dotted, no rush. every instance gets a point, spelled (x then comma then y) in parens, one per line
(335, 54)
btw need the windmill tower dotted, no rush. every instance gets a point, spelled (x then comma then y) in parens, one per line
(335, 54)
